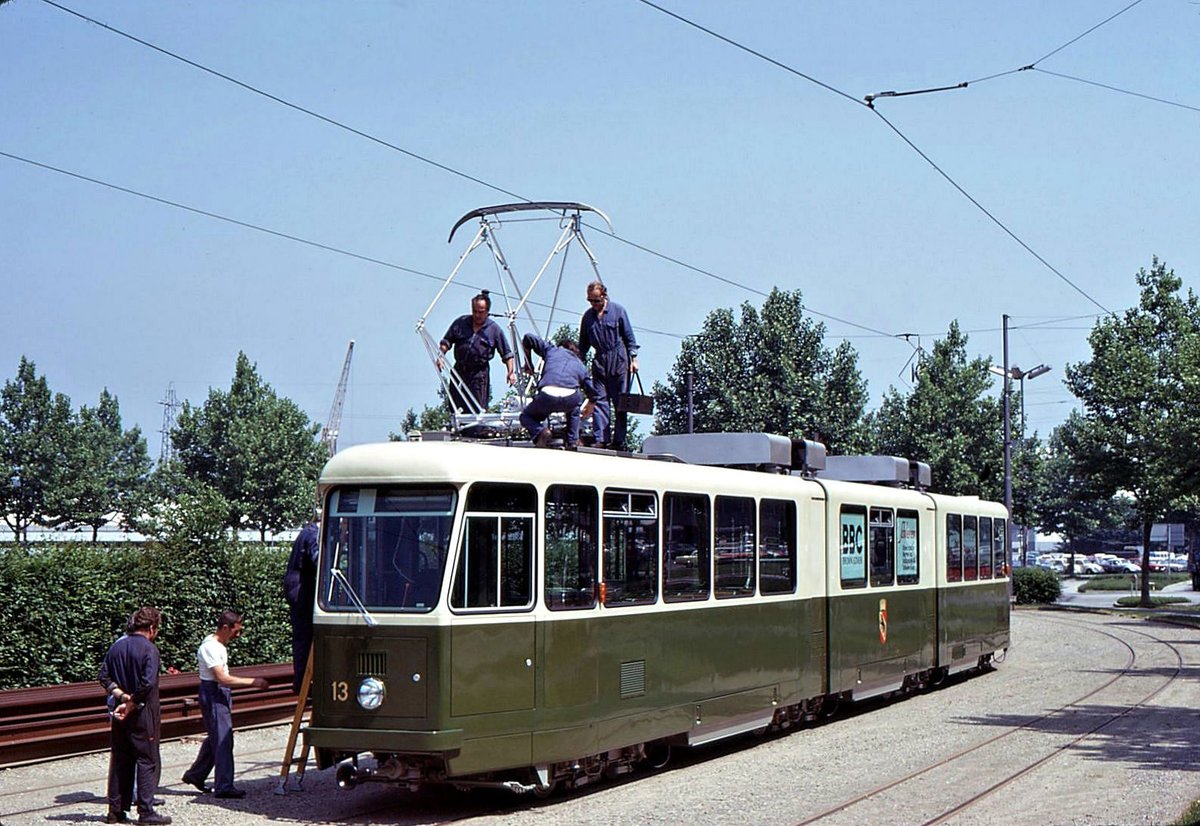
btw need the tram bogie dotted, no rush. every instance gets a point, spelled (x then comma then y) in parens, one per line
(537, 620)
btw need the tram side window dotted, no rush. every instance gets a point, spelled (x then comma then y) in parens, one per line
(1000, 549)
(571, 547)
(883, 547)
(630, 548)
(735, 567)
(777, 546)
(954, 555)
(970, 548)
(852, 546)
(908, 558)
(985, 547)
(687, 563)
(495, 560)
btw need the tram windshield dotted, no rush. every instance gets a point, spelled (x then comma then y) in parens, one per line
(388, 547)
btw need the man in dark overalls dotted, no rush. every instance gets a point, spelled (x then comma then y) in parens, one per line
(561, 389)
(606, 327)
(300, 590)
(475, 339)
(129, 675)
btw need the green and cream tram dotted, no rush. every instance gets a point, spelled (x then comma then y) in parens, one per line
(507, 616)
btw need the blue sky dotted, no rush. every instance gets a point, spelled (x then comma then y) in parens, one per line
(695, 149)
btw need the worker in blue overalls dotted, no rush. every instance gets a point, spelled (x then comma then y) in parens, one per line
(606, 328)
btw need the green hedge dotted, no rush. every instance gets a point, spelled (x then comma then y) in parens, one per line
(64, 604)
(1035, 586)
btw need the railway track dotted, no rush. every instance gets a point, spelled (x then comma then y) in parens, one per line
(979, 773)
(58, 721)
(1089, 732)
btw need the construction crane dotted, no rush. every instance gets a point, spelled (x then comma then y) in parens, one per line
(329, 433)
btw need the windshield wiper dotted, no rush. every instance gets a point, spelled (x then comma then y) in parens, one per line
(358, 603)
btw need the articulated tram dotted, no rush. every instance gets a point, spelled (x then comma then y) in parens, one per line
(493, 615)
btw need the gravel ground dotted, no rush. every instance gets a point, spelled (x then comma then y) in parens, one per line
(1141, 768)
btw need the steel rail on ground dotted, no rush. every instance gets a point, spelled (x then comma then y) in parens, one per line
(62, 720)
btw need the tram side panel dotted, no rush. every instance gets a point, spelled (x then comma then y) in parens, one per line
(973, 604)
(882, 600)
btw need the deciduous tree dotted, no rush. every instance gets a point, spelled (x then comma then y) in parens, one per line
(767, 371)
(1133, 392)
(1075, 500)
(947, 420)
(34, 433)
(258, 451)
(107, 466)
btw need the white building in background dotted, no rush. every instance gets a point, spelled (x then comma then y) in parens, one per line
(112, 532)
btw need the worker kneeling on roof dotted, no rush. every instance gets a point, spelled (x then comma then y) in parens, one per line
(561, 389)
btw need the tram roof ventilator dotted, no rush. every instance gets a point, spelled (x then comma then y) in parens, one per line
(766, 452)
(892, 471)
(779, 454)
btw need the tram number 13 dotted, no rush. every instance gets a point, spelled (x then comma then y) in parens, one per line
(341, 691)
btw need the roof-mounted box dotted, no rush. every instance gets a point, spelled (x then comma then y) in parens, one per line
(876, 470)
(745, 450)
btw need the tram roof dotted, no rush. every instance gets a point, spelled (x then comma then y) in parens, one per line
(457, 462)
(466, 461)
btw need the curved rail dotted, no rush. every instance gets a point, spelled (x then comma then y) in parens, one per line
(62, 720)
(1124, 672)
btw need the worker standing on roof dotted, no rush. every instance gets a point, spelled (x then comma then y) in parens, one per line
(475, 339)
(606, 327)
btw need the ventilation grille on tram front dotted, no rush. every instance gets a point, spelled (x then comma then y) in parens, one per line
(372, 663)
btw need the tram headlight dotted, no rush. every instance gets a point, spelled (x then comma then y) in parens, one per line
(371, 693)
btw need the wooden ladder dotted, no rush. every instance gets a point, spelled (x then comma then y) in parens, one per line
(297, 720)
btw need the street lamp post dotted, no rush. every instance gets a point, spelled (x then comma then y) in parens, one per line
(1015, 373)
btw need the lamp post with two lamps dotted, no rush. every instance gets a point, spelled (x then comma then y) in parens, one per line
(1015, 373)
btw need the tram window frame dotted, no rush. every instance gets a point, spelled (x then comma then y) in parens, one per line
(970, 548)
(571, 536)
(908, 547)
(777, 519)
(504, 559)
(737, 517)
(881, 530)
(954, 554)
(852, 546)
(629, 517)
(687, 523)
(1000, 548)
(985, 571)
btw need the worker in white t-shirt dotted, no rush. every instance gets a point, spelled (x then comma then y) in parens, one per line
(216, 707)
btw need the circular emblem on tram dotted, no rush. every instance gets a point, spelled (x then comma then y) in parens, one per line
(882, 621)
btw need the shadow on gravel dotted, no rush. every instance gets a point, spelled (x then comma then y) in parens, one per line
(1165, 738)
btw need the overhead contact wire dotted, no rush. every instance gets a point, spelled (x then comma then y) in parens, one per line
(990, 216)
(416, 156)
(1116, 89)
(289, 104)
(902, 136)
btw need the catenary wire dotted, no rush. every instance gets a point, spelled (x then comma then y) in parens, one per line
(902, 136)
(1076, 39)
(1116, 89)
(273, 232)
(480, 181)
(447, 168)
(990, 216)
(414, 155)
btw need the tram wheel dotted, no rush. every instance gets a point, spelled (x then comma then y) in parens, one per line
(658, 755)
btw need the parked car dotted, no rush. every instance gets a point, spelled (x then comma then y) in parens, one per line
(1055, 565)
(1084, 567)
